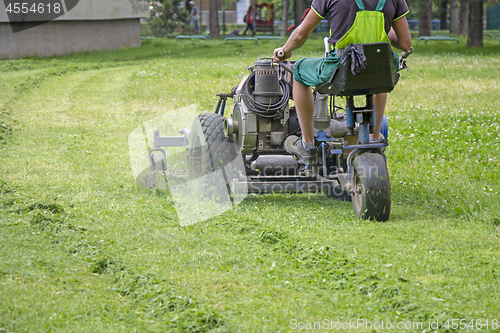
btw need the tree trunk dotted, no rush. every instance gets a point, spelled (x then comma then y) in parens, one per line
(454, 17)
(299, 6)
(213, 19)
(464, 17)
(425, 16)
(475, 31)
(296, 7)
(444, 14)
(284, 19)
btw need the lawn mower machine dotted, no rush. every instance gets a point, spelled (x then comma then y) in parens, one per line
(348, 165)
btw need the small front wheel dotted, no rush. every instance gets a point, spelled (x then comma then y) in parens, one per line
(371, 187)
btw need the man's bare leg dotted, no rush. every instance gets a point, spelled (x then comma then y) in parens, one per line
(304, 103)
(379, 102)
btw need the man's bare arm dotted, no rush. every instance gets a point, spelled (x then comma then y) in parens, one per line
(399, 34)
(299, 36)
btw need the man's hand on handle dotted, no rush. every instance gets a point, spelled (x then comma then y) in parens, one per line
(280, 54)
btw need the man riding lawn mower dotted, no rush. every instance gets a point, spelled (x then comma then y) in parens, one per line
(339, 153)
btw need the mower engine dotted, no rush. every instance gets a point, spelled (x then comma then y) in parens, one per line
(262, 118)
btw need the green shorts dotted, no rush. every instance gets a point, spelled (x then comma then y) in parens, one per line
(312, 72)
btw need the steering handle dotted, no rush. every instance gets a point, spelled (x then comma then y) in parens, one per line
(405, 55)
(281, 56)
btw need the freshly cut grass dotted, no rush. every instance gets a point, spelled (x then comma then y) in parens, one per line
(84, 249)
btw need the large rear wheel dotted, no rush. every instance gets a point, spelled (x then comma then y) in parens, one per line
(372, 189)
(209, 149)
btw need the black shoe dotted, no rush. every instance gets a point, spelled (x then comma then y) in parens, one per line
(293, 145)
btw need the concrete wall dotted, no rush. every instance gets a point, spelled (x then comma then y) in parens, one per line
(91, 25)
(65, 37)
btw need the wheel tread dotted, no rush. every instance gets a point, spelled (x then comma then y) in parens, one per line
(375, 202)
(219, 150)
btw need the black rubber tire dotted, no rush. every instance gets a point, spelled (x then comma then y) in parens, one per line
(218, 150)
(371, 184)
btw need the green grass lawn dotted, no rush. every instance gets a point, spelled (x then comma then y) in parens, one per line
(82, 248)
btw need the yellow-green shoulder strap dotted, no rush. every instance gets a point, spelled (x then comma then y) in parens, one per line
(380, 5)
(360, 4)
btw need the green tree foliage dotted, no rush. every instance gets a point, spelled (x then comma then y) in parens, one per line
(168, 16)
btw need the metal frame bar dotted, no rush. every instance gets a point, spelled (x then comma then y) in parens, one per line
(285, 184)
